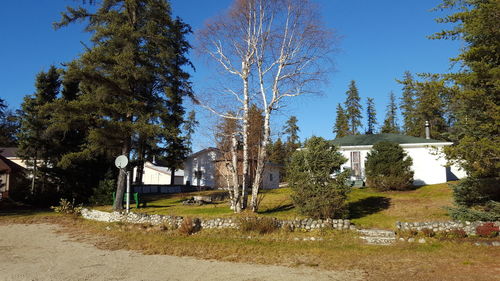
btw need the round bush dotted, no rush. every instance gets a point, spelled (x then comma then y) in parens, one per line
(388, 167)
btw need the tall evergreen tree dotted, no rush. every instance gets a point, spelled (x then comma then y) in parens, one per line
(291, 129)
(34, 147)
(341, 127)
(371, 116)
(132, 76)
(8, 126)
(391, 123)
(353, 108)
(279, 154)
(189, 127)
(430, 106)
(476, 96)
(407, 106)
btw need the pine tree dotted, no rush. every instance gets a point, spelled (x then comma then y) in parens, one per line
(291, 129)
(371, 116)
(189, 128)
(476, 104)
(430, 106)
(407, 106)
(390, 122)
(341, 128)
(132, 77)
(353, 108)
(34, 147)
(8, 126)
(279, 154)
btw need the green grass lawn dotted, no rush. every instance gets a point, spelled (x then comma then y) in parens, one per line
(367, 207)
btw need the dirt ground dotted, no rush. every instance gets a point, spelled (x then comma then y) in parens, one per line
(38, 252)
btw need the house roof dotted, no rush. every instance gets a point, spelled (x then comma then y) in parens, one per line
(8, 152)
(164, 170)
(208, 149)
(374, 138)
(8, 166)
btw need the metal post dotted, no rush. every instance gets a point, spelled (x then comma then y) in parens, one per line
(128, 191)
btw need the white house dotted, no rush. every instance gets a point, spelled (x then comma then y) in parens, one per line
(429, 165)
(203, 169)
(158, 175)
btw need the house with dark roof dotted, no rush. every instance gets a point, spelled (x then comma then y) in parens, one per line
(429, 164)
(10, 175)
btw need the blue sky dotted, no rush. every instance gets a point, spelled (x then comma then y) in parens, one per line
(379, 40)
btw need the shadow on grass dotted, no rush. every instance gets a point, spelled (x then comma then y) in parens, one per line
(368, 206)
(280, 208)
(23, 211)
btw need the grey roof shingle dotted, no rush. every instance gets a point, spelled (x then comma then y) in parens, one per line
(372, 139)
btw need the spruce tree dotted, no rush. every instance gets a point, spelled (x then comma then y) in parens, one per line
(34, 146)
(476, 109)
(430, 106)
(371, 116)
(407, 106)
(341, 127)
(8, 126)
(390, 123)
(353, 108)
(132, 76)
(189, 127)
(291, 129)
(476, 130)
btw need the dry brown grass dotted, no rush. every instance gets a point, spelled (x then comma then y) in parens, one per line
(438, 260)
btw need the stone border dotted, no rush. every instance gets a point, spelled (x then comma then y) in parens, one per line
(446, 226)
(176, 221)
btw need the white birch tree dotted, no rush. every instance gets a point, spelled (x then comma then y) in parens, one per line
(283, 46)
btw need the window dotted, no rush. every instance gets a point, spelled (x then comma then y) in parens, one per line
(270, 176)
(356, 163)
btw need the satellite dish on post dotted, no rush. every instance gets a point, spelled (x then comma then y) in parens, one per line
(121, 161)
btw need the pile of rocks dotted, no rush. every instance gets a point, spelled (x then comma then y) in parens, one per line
(447, 226)
(176, 221)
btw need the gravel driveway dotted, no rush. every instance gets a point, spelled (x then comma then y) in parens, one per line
(36, 252)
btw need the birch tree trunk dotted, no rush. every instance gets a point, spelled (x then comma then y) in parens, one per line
(234, 171)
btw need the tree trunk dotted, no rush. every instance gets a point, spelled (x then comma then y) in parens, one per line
(261, 162)
(140, 166)
(244, 183)
(236, 192)
(172, 176)
(33, 179)
(122, 180)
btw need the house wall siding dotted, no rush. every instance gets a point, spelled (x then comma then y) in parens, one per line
(428, 162)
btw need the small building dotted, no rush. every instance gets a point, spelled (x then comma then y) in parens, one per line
(10, 175)
(206, 169)
(429, 165)
(159, 175)
(11, 154)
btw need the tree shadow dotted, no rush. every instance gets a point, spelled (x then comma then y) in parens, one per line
(280, 208)
(368, 206)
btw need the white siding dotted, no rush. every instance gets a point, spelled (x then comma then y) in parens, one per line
(271, 177)
(428, 162)
(204, 163)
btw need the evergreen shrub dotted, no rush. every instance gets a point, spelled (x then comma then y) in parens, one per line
(316, 193)
(388, 167)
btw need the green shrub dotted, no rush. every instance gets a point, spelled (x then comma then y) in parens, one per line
(315, 192)
(489, 212)
(475, 191)
(261, 225)
(67, 207)
(103, 193)
(388, 167)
